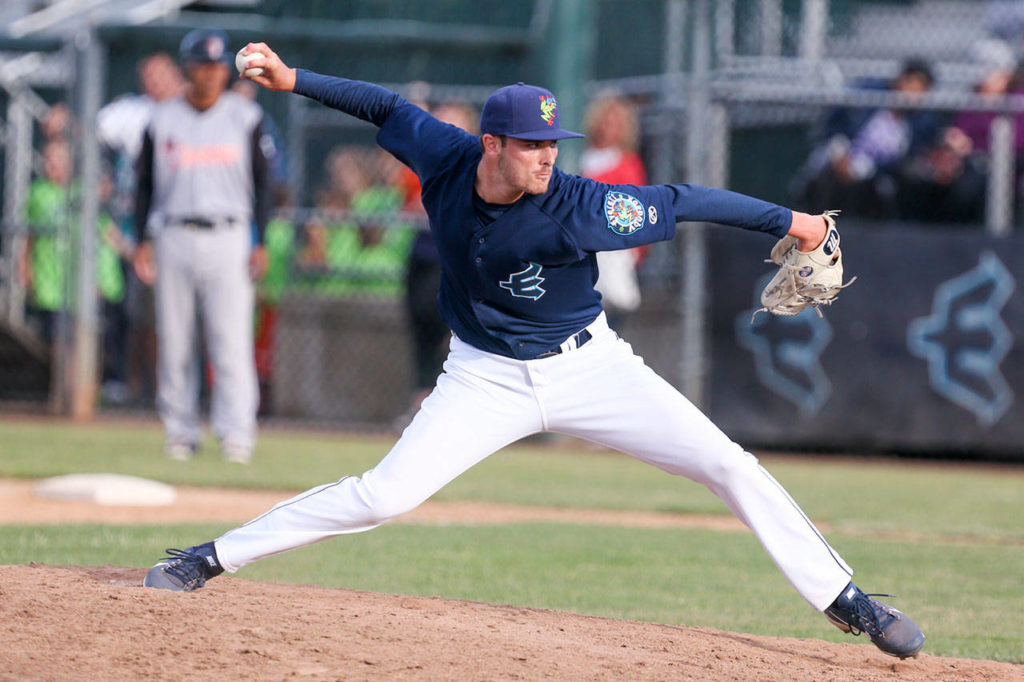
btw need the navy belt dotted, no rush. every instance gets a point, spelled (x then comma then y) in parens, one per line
(572, 343)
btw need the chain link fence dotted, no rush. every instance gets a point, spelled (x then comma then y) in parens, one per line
(36, 239)
(901, 112)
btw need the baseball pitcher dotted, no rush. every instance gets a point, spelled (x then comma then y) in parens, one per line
(531, 350)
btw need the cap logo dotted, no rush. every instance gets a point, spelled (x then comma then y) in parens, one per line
(214, 47)
(522, 111)
(548, 109)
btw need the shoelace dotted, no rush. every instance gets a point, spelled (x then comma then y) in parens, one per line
(185, 566)
(868, 614)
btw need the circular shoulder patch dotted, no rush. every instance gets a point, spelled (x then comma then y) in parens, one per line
(624, 212)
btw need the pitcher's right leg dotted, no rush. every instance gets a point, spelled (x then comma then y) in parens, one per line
(480, 405)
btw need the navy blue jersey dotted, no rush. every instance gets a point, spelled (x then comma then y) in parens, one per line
(522, 283)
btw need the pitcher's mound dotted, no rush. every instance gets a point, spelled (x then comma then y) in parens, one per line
(98, 622)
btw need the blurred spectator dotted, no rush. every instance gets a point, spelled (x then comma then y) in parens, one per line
(354, 241)
(279, 240)
(998, 80)
(1001, 79)
(120, 126)
(612, 128)
(345, 177)
(854, 168)
(56, 123)
(45, 262)
(946, 184)
(423, 274)
(121, 123)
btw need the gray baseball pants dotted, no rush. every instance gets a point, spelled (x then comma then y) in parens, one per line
(205, 272)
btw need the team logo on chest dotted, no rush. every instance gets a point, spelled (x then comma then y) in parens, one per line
(624, 212)
(525, 283)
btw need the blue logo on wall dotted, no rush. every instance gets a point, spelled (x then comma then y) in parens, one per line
(525, 283)
(964, 340)
(787, 352)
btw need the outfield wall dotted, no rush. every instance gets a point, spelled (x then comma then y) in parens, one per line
(921, 353)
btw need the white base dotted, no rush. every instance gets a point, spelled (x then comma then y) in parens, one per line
(113, 490)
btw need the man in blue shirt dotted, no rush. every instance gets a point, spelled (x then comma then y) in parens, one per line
(531, 349)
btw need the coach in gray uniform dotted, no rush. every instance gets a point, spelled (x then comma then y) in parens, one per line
(202, 187)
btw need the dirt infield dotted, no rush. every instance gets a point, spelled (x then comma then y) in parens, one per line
(20, 506)
(98, 623)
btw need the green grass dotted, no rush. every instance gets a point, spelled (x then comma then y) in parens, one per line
(283, 461)
(968, 602)
(983, 504)
(956, 566)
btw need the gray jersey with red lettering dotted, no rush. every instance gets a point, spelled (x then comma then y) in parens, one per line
(202, 160)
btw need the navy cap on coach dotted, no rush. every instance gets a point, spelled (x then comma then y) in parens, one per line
(525, 112)
(204, 45)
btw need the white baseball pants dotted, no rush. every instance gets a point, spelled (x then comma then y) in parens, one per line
(601, 392)
(205, 271)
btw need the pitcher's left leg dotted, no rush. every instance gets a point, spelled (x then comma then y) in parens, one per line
(615, 400)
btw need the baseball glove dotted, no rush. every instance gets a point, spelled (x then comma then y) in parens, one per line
(804, 279)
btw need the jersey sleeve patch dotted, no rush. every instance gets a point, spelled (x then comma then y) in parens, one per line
(624, 212)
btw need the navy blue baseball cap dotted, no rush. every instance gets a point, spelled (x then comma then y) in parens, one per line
(203, 45)
(525, 112)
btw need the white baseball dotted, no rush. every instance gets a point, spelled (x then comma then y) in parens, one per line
(241, 60)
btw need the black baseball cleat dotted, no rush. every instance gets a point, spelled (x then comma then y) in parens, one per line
(889, 629)
(184, 570)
